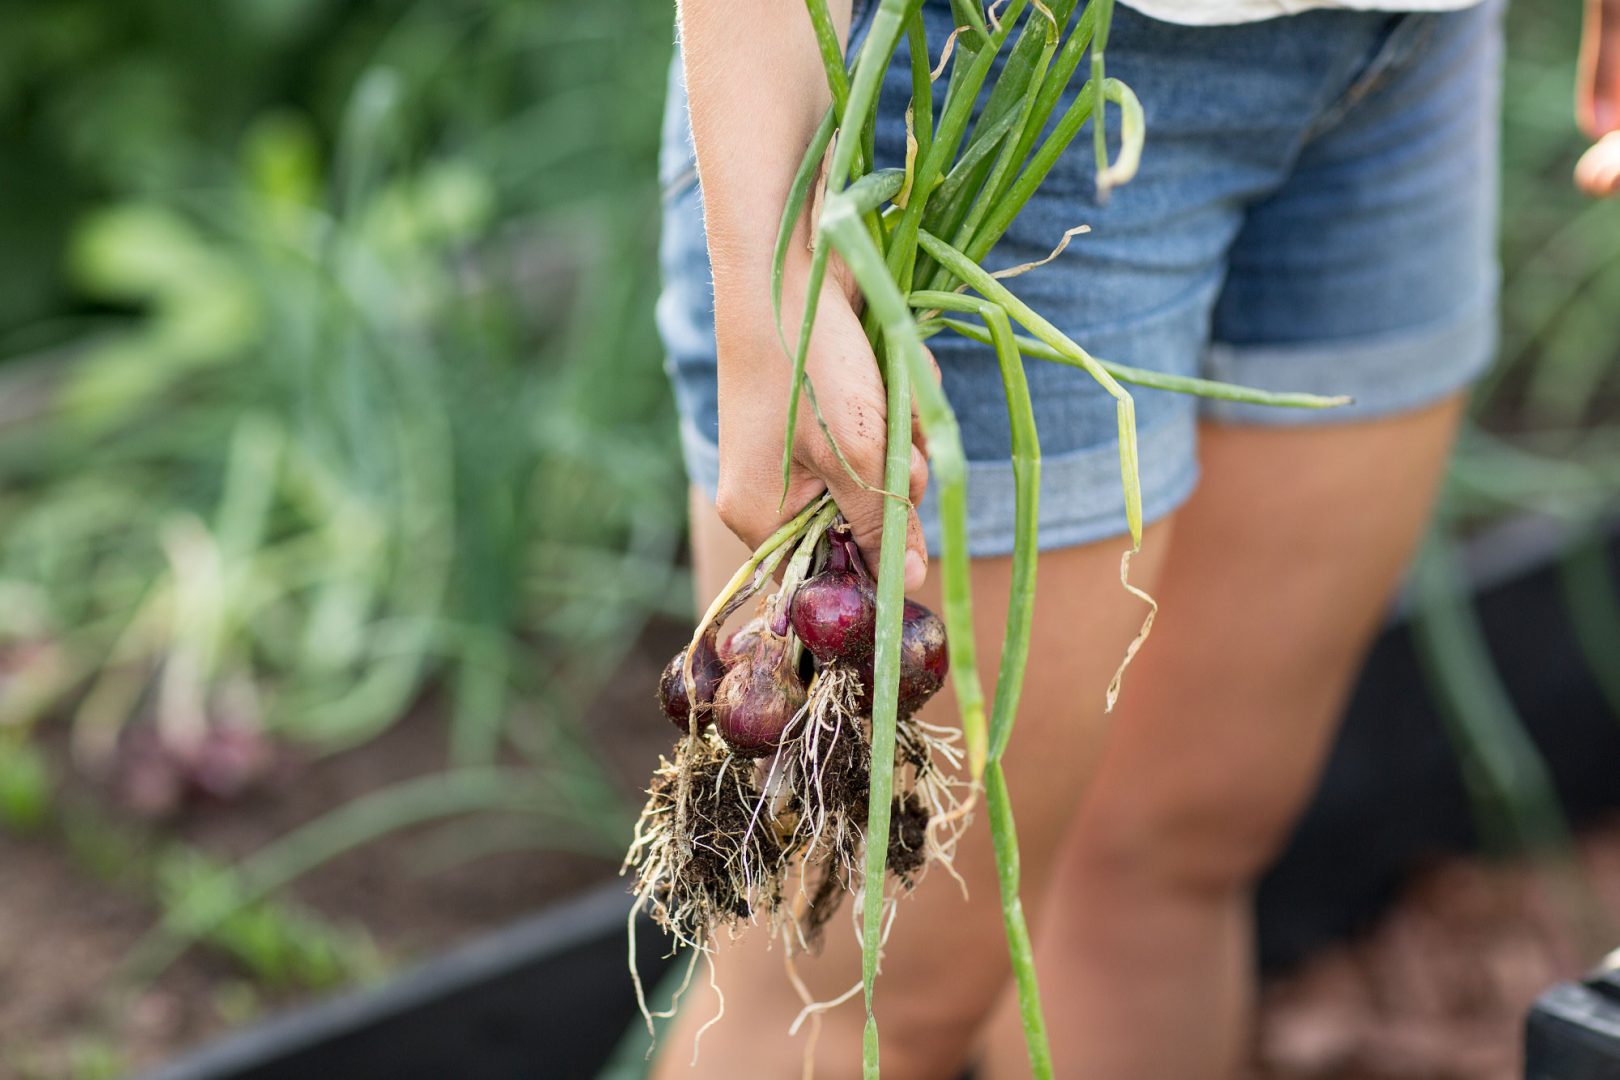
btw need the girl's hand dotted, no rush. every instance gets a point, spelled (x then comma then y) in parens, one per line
(1597, 99)
(755, 374)
(756, 92)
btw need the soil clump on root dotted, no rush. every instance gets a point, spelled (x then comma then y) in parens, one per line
(717, 865)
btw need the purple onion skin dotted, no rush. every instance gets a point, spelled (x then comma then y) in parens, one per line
(743, 640)
(230, 760)
(924, 661)
(834, 614)
(842, 554)
(758, 698)
(707, 672)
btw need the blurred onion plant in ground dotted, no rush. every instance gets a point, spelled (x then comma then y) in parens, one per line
(333, 378)
(1555, 389)
(1542, 446)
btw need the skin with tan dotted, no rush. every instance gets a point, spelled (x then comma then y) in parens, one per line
(1271, 578)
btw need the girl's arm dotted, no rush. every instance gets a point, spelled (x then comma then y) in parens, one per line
(757, 92)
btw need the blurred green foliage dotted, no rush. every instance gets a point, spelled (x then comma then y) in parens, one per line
(1541, 440)
(1553, 392)
(328, 374)
(328, 366)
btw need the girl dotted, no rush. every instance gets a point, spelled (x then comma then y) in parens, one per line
(1315, 211)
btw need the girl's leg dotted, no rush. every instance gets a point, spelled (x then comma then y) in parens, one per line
(1284, 562)
(946, 960)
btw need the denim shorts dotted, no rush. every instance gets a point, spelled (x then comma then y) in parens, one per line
(1316, 210)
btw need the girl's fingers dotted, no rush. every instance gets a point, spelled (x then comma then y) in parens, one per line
(919, 439)
(916, 550)
(916, 554)
(863, 508)
(919, 475)
(1598, 171)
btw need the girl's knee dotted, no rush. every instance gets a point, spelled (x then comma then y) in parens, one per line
(1215, 836)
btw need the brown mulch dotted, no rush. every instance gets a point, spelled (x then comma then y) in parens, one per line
(1439, 990)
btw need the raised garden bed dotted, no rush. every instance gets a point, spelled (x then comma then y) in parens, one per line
(546, 996)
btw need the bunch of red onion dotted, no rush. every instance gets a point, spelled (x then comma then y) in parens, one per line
(773, 770)
(754, 687)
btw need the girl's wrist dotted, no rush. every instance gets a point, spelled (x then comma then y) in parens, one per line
(742, 307)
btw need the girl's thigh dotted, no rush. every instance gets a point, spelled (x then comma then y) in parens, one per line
(1286, 559)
